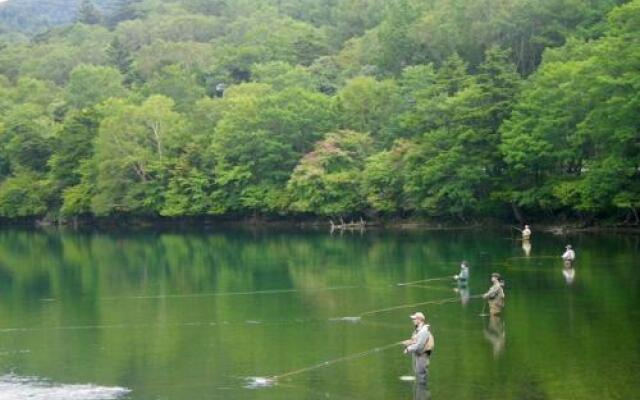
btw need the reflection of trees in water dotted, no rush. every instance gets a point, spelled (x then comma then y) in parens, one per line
(82, 270)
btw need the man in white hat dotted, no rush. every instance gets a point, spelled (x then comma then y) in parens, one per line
(568, 257)
(419, 346)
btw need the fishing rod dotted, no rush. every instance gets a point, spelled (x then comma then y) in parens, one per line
(359, 317)
(258, 292)
(223, 294)
(440, 278)
(424, 303)
(441, 288)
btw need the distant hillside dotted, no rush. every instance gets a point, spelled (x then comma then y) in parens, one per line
(34, 16)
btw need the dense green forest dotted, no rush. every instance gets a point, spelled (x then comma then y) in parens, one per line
(445, 109)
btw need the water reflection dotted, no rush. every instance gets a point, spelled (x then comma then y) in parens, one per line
(421, 392)
(167, 314)
(495, 334)
(526, 247)
(463, 291)
(569, 275)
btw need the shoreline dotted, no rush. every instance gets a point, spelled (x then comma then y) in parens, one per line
(204, 222)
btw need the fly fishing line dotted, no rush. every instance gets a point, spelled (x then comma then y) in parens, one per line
(267, 381)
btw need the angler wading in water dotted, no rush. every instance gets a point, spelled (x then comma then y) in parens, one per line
(495, 295)
(463, 276)
(526, 233)
(420, 346)
(569, 257)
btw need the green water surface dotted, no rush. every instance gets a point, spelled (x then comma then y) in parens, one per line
(189, 316)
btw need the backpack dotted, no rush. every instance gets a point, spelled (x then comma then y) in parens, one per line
(428, 347)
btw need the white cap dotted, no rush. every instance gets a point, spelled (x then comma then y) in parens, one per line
(417, 315)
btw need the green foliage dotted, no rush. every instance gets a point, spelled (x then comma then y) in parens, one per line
(23, 195)
(384, 179)
(133, 146)
(259, 140)
(443, 108)
(367, 105)
(575, 128)
(281, 76)
(175, 82)
(73, 145)
(90, 85)
(88, 14)
(328, 180)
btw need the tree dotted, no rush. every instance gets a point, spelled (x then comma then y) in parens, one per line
(367, 105)
(23, 195)
(73, 145)
(282, 76)
(258, 142)
(90, 85)
(453, 168)
(398, 48)
(572, 141)
(177, 83)
(123, 10)
(133, 146)
(328, 180)
(384, 179)
(120, 57)
(87, 13)
(27, 138)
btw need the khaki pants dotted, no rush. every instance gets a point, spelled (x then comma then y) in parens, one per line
(495, 307)
(421, 368)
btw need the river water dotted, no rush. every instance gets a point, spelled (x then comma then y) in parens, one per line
(212, 315)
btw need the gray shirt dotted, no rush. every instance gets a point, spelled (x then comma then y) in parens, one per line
(420, 338)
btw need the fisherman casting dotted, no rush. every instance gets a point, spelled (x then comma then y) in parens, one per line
(495, 295)
(569, 257)
(420, 346)
(463, 276)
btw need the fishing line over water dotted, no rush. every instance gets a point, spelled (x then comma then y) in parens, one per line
(261, 382)
(239, 293)
(260, 292)
(440, 278)
(424, 303)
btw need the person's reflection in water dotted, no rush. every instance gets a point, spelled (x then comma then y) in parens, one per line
(462, 279)
(421, 392)
(526, 247)
(495, 334)
(569, 275)
(463, 291)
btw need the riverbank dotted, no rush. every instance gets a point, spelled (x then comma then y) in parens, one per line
(313, 223)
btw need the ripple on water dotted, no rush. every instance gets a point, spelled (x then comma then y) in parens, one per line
(13, 387)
